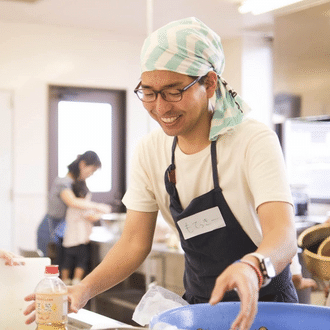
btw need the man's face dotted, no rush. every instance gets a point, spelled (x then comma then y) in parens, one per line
(181, 118)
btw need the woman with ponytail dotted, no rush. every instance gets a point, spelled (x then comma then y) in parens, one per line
(51, 229)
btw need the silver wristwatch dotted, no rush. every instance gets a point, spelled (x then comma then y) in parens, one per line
(266, 266)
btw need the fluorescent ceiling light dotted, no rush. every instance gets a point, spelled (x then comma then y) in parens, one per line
(262, 6)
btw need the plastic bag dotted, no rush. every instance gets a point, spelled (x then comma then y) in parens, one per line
(156, 300)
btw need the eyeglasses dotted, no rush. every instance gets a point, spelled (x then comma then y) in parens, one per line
(168, 94)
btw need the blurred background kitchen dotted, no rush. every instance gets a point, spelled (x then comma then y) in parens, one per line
(70, 66)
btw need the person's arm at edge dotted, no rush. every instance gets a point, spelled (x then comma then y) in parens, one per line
(9, 258)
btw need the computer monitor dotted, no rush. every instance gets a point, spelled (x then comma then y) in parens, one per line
(306, 148)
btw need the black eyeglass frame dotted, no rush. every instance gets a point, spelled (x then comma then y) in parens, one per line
(137, 89)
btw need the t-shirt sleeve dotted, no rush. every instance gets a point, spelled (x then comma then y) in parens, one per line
(139, 195)
(56, 206)
(266, 171)
(64, 183)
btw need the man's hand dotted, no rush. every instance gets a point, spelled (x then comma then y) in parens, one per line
(242, 278)
(9, 258)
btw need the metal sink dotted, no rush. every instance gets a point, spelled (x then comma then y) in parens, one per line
(132, 328)
(74, 324)
(77, 325)
(70, 327)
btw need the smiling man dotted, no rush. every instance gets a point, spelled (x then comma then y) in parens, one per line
(187, 117)
(217, 177)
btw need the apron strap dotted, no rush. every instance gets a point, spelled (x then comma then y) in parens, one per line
(214, 164)
(175, 141)
(170, 172)
(213, 160)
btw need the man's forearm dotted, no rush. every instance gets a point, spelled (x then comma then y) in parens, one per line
(119, 263)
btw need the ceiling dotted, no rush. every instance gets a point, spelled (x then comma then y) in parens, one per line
(130, 16)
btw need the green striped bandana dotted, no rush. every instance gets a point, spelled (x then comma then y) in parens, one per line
(189, 47)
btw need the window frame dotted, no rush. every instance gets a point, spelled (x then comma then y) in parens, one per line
(117, 99)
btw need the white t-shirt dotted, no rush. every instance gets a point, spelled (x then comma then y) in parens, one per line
(78, 229)
(250, 166)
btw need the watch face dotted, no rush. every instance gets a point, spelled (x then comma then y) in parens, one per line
(270, 270)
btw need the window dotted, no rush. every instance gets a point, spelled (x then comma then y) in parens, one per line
(82, 119)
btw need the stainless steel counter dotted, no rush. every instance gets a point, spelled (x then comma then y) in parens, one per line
(87, 320)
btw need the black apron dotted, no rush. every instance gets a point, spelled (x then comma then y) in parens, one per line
(208, 254)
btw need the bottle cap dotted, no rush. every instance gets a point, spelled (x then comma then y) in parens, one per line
(52, 269)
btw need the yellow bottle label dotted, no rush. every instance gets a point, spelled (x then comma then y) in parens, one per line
(52, 327)
(51, 309)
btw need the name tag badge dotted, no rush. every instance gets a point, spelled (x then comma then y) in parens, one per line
(201, 223)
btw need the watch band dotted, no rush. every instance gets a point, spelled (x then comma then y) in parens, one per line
(261, 258)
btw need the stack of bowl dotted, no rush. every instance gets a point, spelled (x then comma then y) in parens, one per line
(315, 242)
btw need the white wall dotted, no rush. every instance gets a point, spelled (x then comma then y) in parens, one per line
(249, 70)
(257, 77)
(31, 58)
(233, 50)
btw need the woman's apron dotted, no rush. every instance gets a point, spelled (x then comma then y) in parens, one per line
(213, 239)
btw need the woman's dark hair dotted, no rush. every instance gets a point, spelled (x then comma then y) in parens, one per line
(89, 157)
(79, 188)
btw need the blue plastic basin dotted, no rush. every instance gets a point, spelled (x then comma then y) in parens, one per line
(271, 316)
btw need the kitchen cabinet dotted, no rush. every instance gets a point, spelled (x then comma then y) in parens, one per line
(165, 266)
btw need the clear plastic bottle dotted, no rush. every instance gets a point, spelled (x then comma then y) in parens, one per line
(51, 301)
